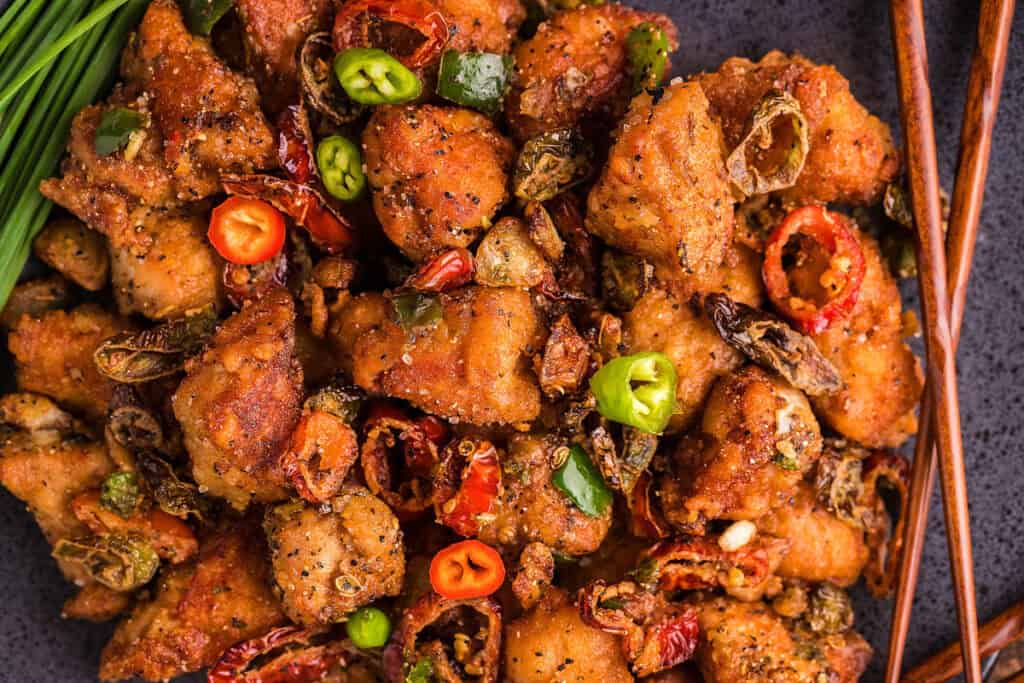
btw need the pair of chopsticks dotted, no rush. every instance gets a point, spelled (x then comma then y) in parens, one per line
(939, 440)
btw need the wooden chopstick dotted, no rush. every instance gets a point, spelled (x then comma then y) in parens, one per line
(923, 175)
(1004, 630)
(983, 92)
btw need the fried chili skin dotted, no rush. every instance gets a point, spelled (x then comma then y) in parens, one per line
(172, 539)
(321, 451)
(467, 484)
(299, 660)
(885, 539)
(697, 563)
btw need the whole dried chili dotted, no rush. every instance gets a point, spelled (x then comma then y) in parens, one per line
(294, 144)
(296, 660)
(353, 21)
(445, 271)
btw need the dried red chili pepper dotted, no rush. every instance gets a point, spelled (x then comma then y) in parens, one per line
(294, 144)
(846, 266)
(386, 427)
(644, 519)
(449, 270)
(885, 540)
(320, 453)
(422, 16)
(242, 283)
(476, 469)
(577, 275)
(299, 660)
(302, 203)
(694, 563)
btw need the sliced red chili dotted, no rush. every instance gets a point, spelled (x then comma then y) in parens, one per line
(479, 486)
(467, 569)
(409, 491)
(294, 144)
(302, 203)
(322, 450)
(884, 539)
(286, 655)
(245, 230)
(352, 26)
(844, 275)
(449, 270)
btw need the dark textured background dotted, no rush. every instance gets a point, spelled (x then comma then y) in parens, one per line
(853, 34)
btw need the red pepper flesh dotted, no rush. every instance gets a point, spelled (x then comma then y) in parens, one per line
(294, 150)
(468, 569)
(245, 231)
(481, 483)
(449, 270)
(419, 15)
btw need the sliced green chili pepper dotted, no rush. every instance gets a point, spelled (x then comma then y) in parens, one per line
(368, 627)
(637, 390)
(341, 167)
(116, 127)
(423, 672)
(120, 493)
(202, 15)
(120, 562)
(647, 50)
(416, 310)
(580, 480)
(372, 76)
(474, 79)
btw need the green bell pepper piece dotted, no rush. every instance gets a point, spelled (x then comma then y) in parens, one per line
(372, 76)
(580, 480)
(341, 167)
(474, 79)
(647, 51)
(637, 390)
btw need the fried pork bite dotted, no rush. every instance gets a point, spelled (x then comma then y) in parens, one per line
(482, 25)
(749, 643)
(438, 175)
(273, 33)
(53, 356)
(77, 253)
(197, 610)
(465, 358)
(177, 272)
(666, 320)
(240, 401)
(330, 562)
(575, 67)
(851, 155)
(882, 378)
(756, 441)
(199, 119)
(664, 194)
(552, 643)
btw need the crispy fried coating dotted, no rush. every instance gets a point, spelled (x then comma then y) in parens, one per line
(198, 610)
(470, 365)
(79, 254)
(482, 25)
(664, 194)
(551, 643)
(96, 603)
(531, 509)
(748, 643)
(240, 401)
(329, 563)
(822, 547)
(438, 175)
(575, 67)
(757, 439)
(852, 156)
(177, 272)
(53, 355)
(36, 297)
(273, 33)
(665, 320)
(882, 377)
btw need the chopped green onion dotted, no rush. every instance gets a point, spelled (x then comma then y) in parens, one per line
(115, 129)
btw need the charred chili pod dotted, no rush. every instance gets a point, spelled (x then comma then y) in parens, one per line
(156, 352)
(645, 520)
(168, 491)
(624, 279)
(829, 610)
(695, 563)
(288, 654)
(771, 343)
(884, 537)
(622, 466)
(131, 424)
(565, 360)
(507, 257)
(771, 155)
(551, 163)
(121, 562)
(896, 205)
(319, 84)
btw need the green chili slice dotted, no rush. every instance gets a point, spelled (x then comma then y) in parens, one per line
(637, 390)
(582, 483)
(120, 493)
(416, 310)
(202, 15)
(474, 79)
(372, 76)
(341, 167)
(115, 129)
(647, 51)
(772, 153)
(120, 562)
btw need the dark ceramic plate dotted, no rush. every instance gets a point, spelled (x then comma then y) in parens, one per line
(854, 35)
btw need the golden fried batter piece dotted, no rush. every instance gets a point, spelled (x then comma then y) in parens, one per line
(198, 610)
(665, 320)
(482, 25)
(575, 67)
(79, 254)
(470, 365)
(438, 175)
(240, 401)
(96, 603)
(551, 643)
(852, 156)
(531, 509)
(822, 547)
(882, 377)
(757, 439)
(329, 563)
(177, 272)
(273, 33)
(748, 643)
(53, 356)
(664, 194)
(36, 297)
